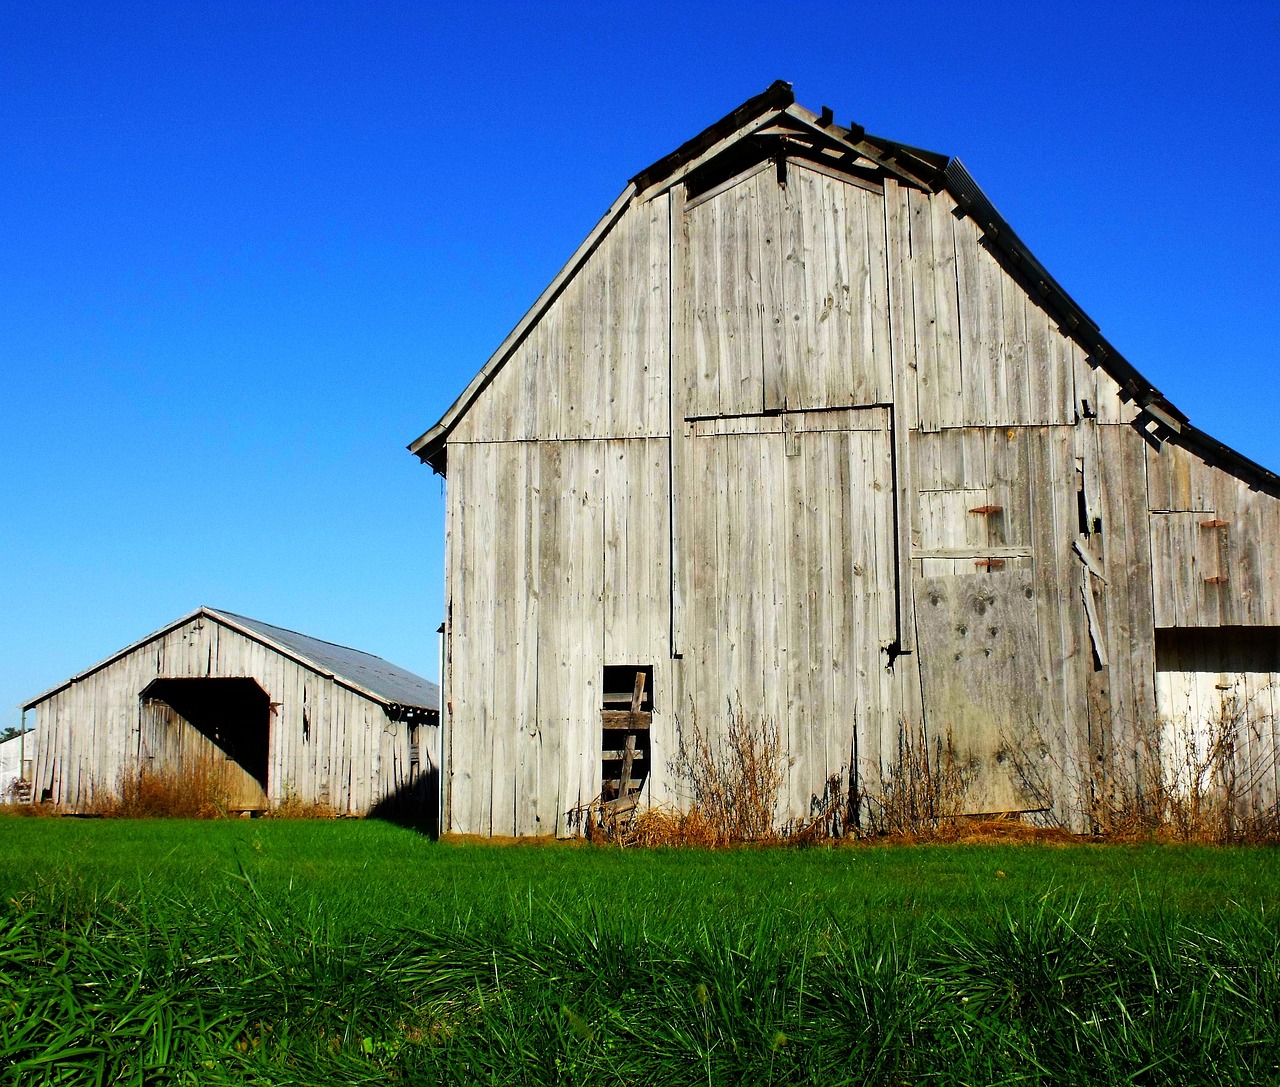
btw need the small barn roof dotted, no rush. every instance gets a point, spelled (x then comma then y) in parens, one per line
(776, 106)
(377, 679)
(389, 683)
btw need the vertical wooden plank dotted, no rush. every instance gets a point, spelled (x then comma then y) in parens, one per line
(924, 306)
(901, 332)
(552, 714)
(680, 492)
(874, 209)
(1014, 352)
(772, 205)
(949, 377)
(508, 587)
(975, 366)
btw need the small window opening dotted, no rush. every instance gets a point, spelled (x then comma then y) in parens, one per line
(626, 714)
(414, 756)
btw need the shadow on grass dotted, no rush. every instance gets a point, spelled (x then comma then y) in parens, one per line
(415, 806)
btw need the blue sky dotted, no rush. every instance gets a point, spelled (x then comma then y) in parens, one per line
(249, 251)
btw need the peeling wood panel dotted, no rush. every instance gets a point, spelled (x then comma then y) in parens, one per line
(594, 365)
(981, 670)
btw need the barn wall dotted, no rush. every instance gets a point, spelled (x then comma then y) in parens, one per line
(350, 755)
(787, 562)
(556, 568)
(1213, 544)
(785, 305)
(882, 451)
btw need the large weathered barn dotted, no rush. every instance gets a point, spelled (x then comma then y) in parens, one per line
(804, 429)
(286, 714)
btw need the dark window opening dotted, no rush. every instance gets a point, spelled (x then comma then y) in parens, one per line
(234, 714)
(626, 714)
(1218, 649)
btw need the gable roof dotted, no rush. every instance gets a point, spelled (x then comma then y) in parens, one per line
(389, 685)
(772, 122)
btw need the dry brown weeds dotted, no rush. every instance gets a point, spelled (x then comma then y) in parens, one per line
(200, 789)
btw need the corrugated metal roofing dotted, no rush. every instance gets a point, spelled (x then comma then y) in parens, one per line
(381, 678)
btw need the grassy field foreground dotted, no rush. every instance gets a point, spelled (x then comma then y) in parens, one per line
(348, 952)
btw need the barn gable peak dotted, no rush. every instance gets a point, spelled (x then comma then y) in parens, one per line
(773, 126)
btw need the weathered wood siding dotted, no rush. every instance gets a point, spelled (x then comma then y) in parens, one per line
(556, 568)
(1213, 542)
(786, 306)
(780, 434)
(350, 755)
(790, 586)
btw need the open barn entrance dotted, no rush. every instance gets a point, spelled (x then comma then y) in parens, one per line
(186, 721)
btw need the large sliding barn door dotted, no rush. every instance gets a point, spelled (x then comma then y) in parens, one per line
(788, 578)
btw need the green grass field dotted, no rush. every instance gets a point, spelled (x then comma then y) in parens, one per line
(276, 952)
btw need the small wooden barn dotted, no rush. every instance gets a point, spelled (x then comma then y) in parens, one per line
(288, 715)
(803, 431)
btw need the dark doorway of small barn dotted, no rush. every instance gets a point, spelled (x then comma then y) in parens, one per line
(229, 719)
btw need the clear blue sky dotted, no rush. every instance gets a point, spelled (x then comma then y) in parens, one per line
(249, 251)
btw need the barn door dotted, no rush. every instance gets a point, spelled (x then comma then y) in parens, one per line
(788, 566)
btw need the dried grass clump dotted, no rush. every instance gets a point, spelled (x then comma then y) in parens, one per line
(918, 794)
(731, 778)
(1188, 781)
(199, 789)
(729, 781)
(294, 807)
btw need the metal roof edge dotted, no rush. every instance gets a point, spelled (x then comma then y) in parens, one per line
(226, 620)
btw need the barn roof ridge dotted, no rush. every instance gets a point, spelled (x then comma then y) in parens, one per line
(390, 686)
(1160, 418)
